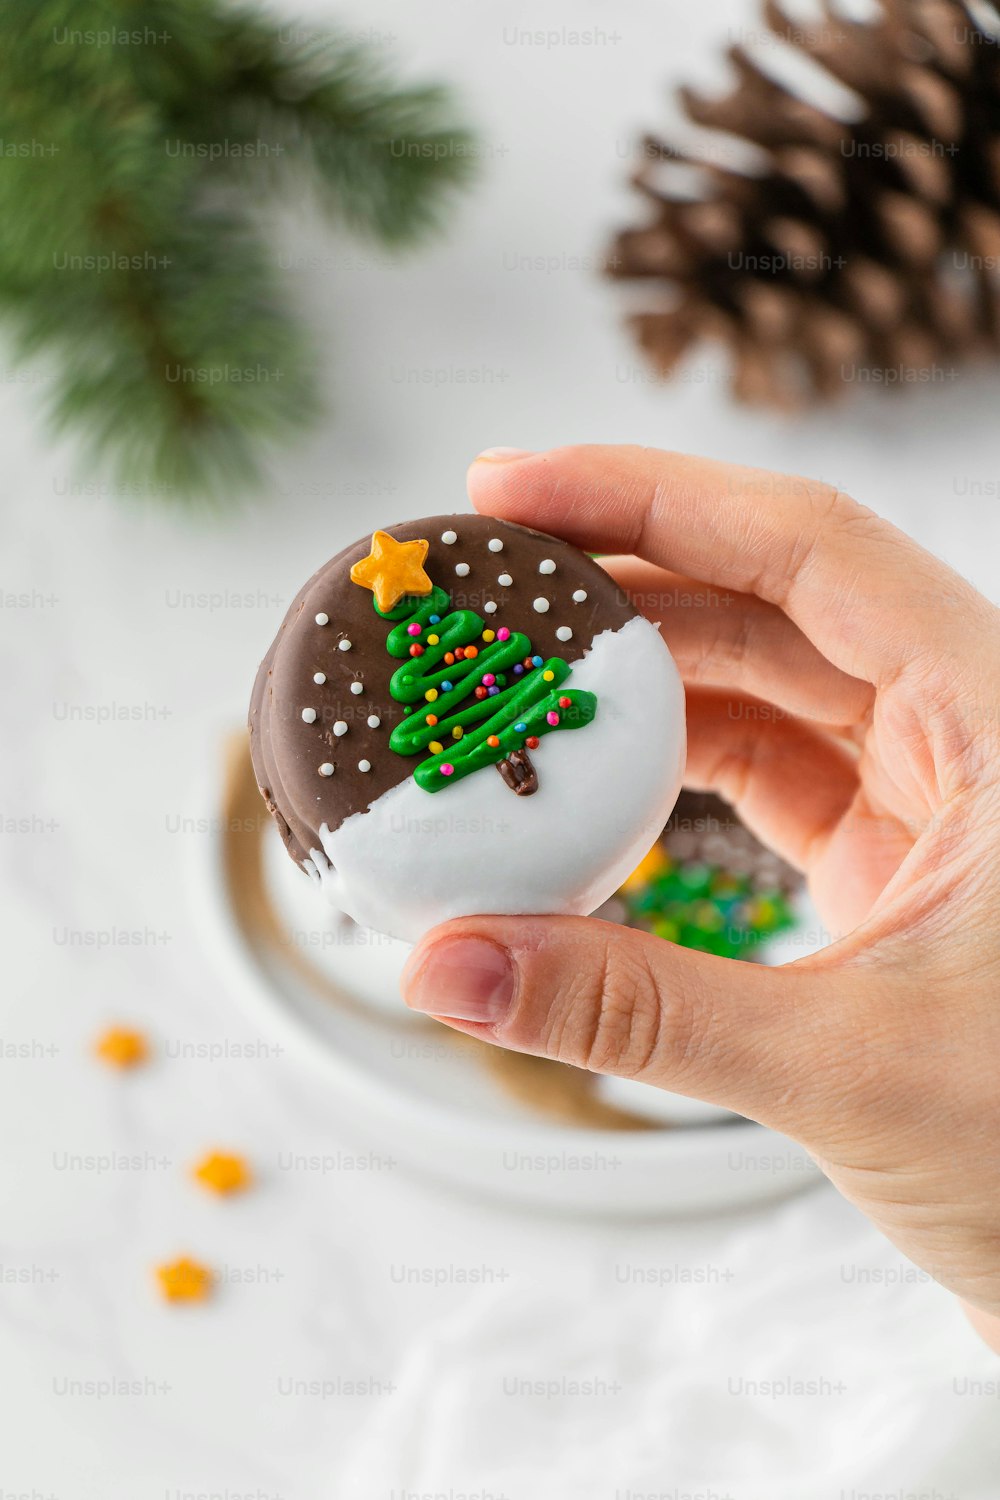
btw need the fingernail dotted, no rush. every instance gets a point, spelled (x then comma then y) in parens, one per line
(466, 979)
(502, 455)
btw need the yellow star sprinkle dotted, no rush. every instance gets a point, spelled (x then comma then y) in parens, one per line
(121, 1047)
(222, 1173)
(184, 1280)
(392, 570)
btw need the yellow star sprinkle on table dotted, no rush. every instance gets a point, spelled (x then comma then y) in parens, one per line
(184, 1280)
(222, 1173)
(121, 1048)
(392, 570)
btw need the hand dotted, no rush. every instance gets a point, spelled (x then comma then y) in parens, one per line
(877, 772)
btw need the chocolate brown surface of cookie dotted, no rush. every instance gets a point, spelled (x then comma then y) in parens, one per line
(322, 686)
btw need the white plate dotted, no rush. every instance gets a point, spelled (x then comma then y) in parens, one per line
(460, 1111)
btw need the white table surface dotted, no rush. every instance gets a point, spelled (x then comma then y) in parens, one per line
(108, 609)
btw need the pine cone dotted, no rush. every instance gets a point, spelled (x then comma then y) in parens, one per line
(864, 250)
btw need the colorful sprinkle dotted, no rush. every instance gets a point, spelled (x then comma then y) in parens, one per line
(122, 1047)
(546, 565)
(319, 678)
(520, 727)
(480, 692)
(222, 1172)
(364, 765)
(565, 702)
(413, 629)
(542, 605)
(449, 658)
(449, 538)
(489, 635)
(357, 687)
(552, 717)
(564, 633)
(416, 649)
(340, 727)
(519, 670)
(447, 687)
(492, 692)
(431, 719)
(532, 742)
(489, 679)
(457, 732)
(326, 769)
(431, 695)
(548, 676)
(373, 721)
(536, 661)
(322, 619)
(434, 620)
(447, 769)
(343, 645)
(579, 595)
(435, 747)
(503, 634)
(493, 741)
(185, 1280)
(472, 652)
(505, 580)
(433, 640)
(309, 715)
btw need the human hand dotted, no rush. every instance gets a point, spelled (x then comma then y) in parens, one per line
(875, 769)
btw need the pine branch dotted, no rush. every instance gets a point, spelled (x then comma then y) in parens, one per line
(125, 239)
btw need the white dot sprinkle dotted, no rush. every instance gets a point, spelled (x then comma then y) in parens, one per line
(357, 687)
(326, 769)
(541, 605)
(374, 721)
(579, 595)
(490, 608)
(449, 538)
(462, 569)
(364, 765)
(505, 580)
(322, 619)
(309, 715)
(564, 633)
(340, 728)
(319, 678)
(546, 565)
(495, 544)
(343, 645)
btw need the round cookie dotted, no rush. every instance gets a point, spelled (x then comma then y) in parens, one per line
(460, 715)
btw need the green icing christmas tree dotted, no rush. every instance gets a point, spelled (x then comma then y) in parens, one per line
(485, 699)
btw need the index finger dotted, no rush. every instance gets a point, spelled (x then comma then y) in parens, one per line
(872, 600)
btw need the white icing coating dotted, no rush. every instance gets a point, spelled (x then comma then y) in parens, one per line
(495, 544)
(449, 537)
(564, 633)
(357, 687)
(490, 607)
(579, 595)
(309, 716)
(340, 727)
(462, 569)
(364, 765)
(344, 645)
(414, 858)
(319, 678)
(322, 619)
(326, 769)
(373, 721)
(542, 606)
(546, 565)
(505, 580)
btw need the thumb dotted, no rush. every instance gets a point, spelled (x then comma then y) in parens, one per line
(755, 1040)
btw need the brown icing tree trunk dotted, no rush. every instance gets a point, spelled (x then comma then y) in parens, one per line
(518, 773)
